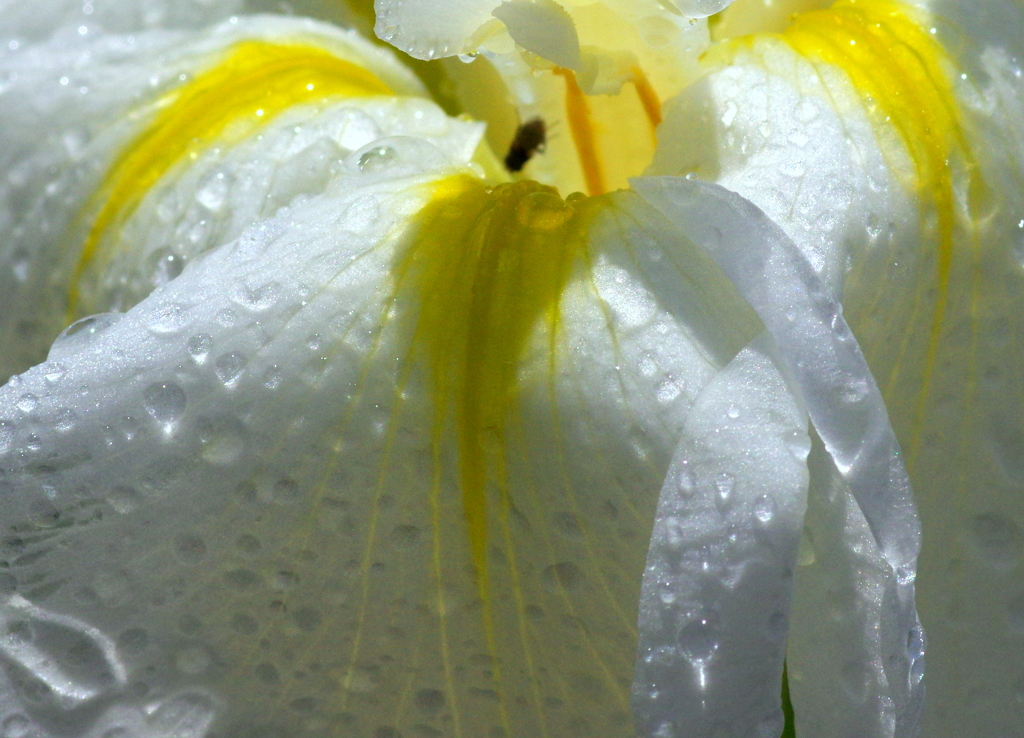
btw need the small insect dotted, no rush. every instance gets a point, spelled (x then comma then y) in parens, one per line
(529, 139)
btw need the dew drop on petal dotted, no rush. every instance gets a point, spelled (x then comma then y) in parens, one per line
(764, 508)
(199, 347)
(685, 480)
(78, 335)
(377, 159)
(725, 485)
(163, 265)
(698, 639)
(27, 402)
(165, 401)
(229, 367)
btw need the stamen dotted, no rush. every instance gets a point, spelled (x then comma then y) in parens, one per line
(648, 97)
(578, 112)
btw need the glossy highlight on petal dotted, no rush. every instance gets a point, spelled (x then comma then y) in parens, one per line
(254, 83)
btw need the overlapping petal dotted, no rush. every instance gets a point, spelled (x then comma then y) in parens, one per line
(262, 483)
(932, 303)
(288, 384)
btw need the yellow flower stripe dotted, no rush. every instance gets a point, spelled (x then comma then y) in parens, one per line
(254, 83)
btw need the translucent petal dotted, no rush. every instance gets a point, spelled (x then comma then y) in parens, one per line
(843, 401)
(714, 608)
(543, 28)
(253, 505)
(63, 134)
(953, 391)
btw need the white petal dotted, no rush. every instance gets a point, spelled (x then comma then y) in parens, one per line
(251, 507)
(425, 29)
(843, 401)
(59, 143)
(714, 609)
(542, 27)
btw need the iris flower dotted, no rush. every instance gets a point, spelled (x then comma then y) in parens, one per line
(320, 421)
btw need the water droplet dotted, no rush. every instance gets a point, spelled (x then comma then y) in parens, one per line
(565, 575)
(855, 390)
(698, 639)
(243, 579)
(307, 619)
(164, 401)
(226, 317)
(685, 480)
(666, 729)
(467, 58)
(764, 508)
(27, 402)
(188, 715)
(258, 298)
(429, 700)
(124, 499)
(725, 485)
(170, 319)
(243, 624)
(222, 439)
(360, 130)
(214, 191)
(53, 373)
(65, 420)
(733, 412)
(192, 660)
(668, 390)
(905, 575)
(267, 673)
(163, 265)
(78, 335)
(567, 525)
(66, 664)
(16, 726)
(272, 377)
(229, 367)
(21, 265)
(798, 443)
(667, 593)
(199, 347)
(377, 159)
(190, 548)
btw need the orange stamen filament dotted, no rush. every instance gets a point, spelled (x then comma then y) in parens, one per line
(648, 97)
(578, 112)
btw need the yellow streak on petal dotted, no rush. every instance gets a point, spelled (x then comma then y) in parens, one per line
(487, 267)
(254, 83)
(899, 69)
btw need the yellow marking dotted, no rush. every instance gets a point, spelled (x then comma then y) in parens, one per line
(486, 266)
(899, 69)
(254, 83)
(648, 97)
(578, 113)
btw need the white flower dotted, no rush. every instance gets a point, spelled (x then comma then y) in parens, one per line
(367, 439)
